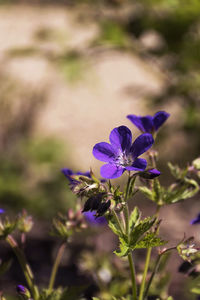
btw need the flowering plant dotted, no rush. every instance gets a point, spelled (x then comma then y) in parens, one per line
(109, 205)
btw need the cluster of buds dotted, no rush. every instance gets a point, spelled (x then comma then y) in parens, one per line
(66, 226)
(25, 222)
(83, 184)
(7, 227)
(187, 249)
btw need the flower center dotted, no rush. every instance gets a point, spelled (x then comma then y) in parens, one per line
(124, 159)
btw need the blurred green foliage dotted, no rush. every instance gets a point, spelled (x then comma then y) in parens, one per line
(30, 165)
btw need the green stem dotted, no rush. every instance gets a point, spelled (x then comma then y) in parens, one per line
(157, 262)
(147, 261)
(133, 279)
(148, 256)
(56, 265)
(130, 257)
(24, 265)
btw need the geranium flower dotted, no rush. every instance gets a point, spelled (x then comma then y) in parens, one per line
(121, 154)
(69, 173)
(196, 220)
(2, 211)
(148, 123)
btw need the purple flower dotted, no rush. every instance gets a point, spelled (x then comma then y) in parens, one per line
(92, 219)
(69, 173)
(2, 211)
(196, 220)
(121, 154)
(148, 123)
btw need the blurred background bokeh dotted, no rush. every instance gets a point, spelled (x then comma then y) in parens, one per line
(70, 71)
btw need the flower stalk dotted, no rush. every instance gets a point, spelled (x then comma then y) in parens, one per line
(56, 265)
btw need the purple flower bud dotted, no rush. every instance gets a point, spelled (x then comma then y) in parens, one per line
(103, 207)
(21, 289)
(150, 174)
(196, 220)
(93, 202)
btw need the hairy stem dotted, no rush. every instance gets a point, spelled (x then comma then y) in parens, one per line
(147, 261)
(56, 265)
(157, 262)
(24, 265)
(148, 256)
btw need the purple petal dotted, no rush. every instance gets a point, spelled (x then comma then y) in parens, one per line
(139, 164)
(141, 144)
(111, 171)
(103, 152)
(196, 220)
(144, 124)
(92, 219)
(159, 118)
(2, 211)
(121, 138)
(67, 172)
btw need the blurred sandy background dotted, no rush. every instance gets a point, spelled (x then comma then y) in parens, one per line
(71, 72)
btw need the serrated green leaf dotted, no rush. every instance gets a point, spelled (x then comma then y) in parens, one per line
(131, 187)
(150, 240)
(139, 230)
(157, 191)
(123, 249)
(181, 191)
(114, 226)
(146, 191)
(134, 218)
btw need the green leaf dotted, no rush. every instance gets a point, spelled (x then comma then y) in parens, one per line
(114, 226)
(177, 172)
(181, 191)
(123, 249)
(131, 191)
(157, 191)
(138, 231)
(170, 298)
(134, 218)
(150, 240)
(95, 298)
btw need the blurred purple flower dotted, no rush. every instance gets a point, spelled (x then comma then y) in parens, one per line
(69, 173)
(148, 123)
(196, 220)
(2, 211)
(93, 220)
(121, 154)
